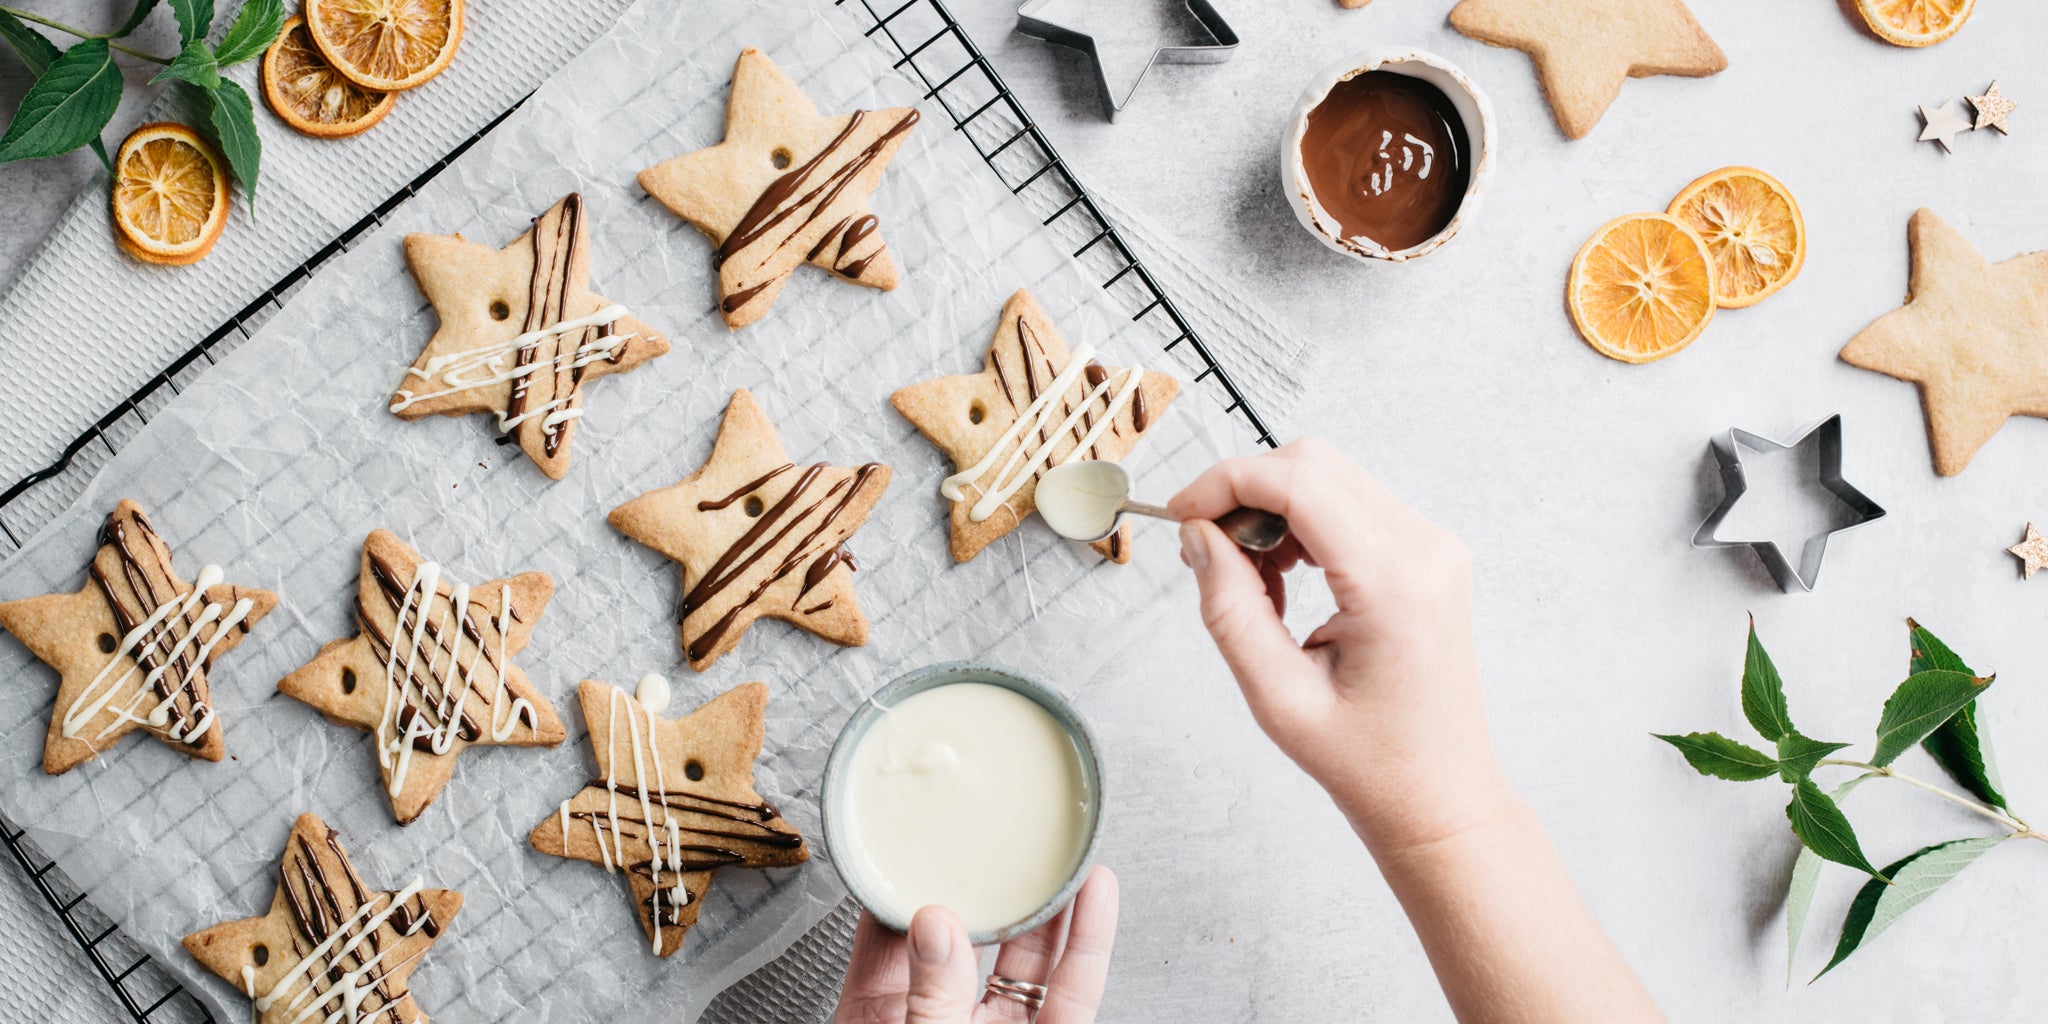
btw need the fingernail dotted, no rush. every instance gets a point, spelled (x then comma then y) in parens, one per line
(930, 939)
(1194, 546)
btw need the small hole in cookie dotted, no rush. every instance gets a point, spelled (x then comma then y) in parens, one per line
(260, 954)
(977, 412)
(754, 506)
(694, 771)
(106, 643)
(780, 158)
(348, 680)
(499, 310)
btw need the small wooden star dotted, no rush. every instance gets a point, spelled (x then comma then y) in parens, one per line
(489, 299)
(368, 940)
(787, 186)
(159, 682)
(1943, 124)
(693, 811)
(2032, 553)
(437, 680)
(1993, 109)
(758, 536)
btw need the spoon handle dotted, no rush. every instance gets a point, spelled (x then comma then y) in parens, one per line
(1144, 509)
(1253, 529)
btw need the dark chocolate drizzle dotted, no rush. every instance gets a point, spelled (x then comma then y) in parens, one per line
(756, 824)
(744, 489)
(558, 254)
(147, 575)
(319, 908)
(432, 685)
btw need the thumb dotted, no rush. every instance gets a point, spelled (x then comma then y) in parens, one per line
(1240, 615)
(942, 970)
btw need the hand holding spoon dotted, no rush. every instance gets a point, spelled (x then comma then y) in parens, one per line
(1082, 500)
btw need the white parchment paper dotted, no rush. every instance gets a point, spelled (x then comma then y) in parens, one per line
(279, 461)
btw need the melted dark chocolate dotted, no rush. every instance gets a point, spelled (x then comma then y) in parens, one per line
(1385, 154)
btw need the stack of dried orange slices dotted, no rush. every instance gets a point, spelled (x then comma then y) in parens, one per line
(337, 68)
(1647, 284)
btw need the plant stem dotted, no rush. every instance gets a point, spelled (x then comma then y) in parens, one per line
(83, 34)
(2020, 829)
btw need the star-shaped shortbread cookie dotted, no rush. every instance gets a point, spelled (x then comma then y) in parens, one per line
(1585, 49)
(975, 419)
(787, 186)
(522, 336)
(673, 801)
(758, 536)
(1973, 334)
(430, 671)
(134, 646)
(330, 948)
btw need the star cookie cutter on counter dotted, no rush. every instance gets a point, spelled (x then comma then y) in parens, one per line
(1735, 482)
(1031, 23)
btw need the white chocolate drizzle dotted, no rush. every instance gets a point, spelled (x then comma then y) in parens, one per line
(171, 635)
(496, 364)
(349, 985)
(1032, 420)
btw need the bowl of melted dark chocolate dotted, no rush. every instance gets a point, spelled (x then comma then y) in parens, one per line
(1388, 154)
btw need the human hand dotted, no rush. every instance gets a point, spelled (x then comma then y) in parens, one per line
(932, 975)
(1382, 704)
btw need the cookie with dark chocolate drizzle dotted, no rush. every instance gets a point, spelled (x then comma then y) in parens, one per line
(787, 186)
(757, 535)
(134, 647)
(522, 336)
(673, 801)
(429, 672)
(330, 948)
(1028, 374)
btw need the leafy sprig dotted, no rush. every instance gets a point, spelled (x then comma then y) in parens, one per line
(1934, 708)
(77, 90)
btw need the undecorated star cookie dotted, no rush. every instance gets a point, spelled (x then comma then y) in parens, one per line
(674, 802)
(330, 949)
(1034, 405)
(1585, 49)
(787, 186)
(134, 646)
(758, 536)
(430, 671)
(522, 336)
(1973, 334)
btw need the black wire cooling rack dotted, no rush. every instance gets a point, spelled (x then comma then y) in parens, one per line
(956, 77)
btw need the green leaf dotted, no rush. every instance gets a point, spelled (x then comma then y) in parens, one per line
(1711, 753)
(194, 64)
(1919, 706)
(255, 27)
(1805, 878)
(195, 19)
(67, 107)
(36, 50)
(141, 11)
(1798, 756)
(1821, 826)
(234, 129)
(1763, 693)
(1915, 877)
(1956, 745)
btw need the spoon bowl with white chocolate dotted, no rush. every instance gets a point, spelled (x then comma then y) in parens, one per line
(1083, 500)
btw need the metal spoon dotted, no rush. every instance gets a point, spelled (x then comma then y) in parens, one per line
(1083, 500)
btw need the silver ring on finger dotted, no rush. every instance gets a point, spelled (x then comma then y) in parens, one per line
(1030, 994)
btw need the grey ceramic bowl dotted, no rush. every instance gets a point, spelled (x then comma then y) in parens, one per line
(918, 681)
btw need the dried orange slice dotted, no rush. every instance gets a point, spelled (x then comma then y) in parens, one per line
(1751, 225)
(306, 91)
(386, 45)
(1915, 22)
(170, 194)
(1642, 287)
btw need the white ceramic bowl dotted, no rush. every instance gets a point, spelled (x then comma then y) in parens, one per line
(1473, 109)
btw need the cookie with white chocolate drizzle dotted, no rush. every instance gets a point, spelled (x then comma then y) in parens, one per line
(134, 646)
(429, 672)
(758, 535)
(522, 336)
(1033, 406)
(330, 949)
(787, 186)
(674, 801)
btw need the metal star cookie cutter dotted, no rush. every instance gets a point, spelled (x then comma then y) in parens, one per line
(1734, 483)
(1225, 46)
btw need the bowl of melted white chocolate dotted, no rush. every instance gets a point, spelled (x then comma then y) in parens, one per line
(965, 786)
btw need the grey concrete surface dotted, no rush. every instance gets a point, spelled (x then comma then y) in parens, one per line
(1576, 482)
